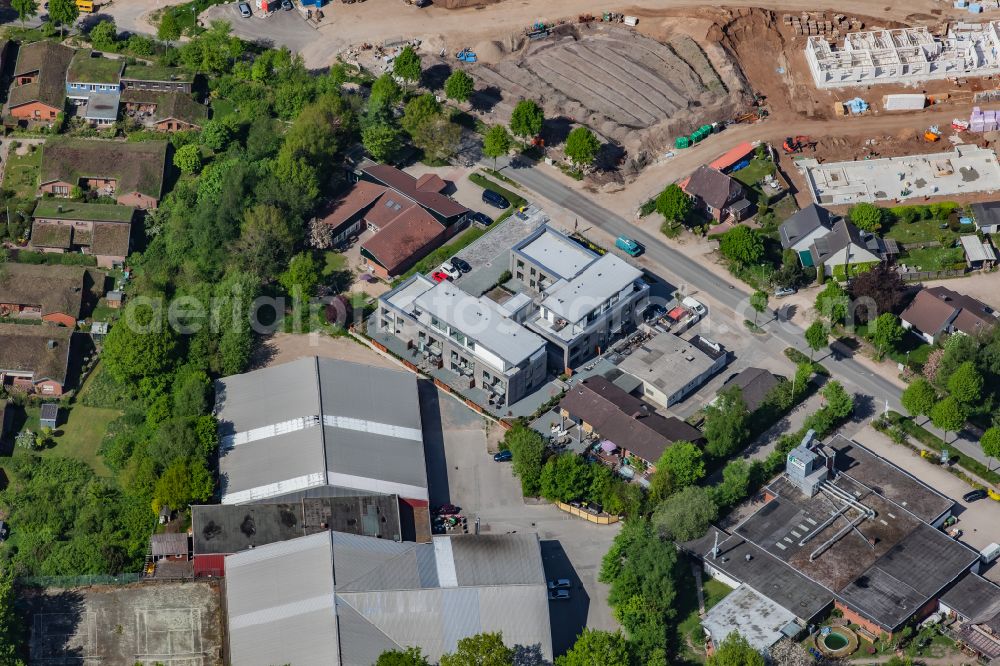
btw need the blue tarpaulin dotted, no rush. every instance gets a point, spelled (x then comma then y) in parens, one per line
(856, 105)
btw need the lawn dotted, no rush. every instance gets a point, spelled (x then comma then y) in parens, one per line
(784, 208)
(754, 172)
(222, 108)
(78, 435)
(21, 174)
(933, 258)
(921, 231)
(333, 262)
(688, 628)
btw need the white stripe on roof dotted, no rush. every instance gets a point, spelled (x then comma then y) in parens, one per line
(279, 549)
(277, 488)
(445, 559)
(361, 425)
(271, 430)
(282, 612)
(376, 485)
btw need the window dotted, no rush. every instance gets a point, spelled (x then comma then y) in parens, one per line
(520, 276)
(520, 264)
(532, 284)
(532, 270)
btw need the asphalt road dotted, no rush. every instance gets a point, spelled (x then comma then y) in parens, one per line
(686, 271)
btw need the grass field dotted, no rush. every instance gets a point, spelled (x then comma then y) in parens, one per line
(21, 173)
(933, 258)
(688, 628)
(752, 174)
(921, 231)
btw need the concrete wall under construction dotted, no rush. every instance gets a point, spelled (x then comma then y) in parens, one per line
(905, 55)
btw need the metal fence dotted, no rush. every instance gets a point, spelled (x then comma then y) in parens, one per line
(79, 581)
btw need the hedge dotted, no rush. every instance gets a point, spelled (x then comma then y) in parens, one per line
(840, 270)
(796, 357)
(929, 439)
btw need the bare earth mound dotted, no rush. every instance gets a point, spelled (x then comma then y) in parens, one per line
(631, 89)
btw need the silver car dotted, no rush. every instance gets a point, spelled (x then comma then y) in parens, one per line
(558, 595)
(245, 10)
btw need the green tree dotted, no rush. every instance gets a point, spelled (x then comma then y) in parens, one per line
(25, 9)
(734, 650)
(11, 625)
(594, 647)
(564, 478)
(267, 237)
(990, 442)
(673, 204)
(188, 158)
(407, 66)
(63, 12)
(302, 274)
(496, 143)
(966, 384)
(885, 332)
(742, 245)
(217, 133)
(412, 656)
(381, 140)
(528, 449)
(919, 397)
(438, 138)
(141, 344)
(735, 484)
(758, 301)
(838, 400)
(168, 30)
(866, 216)
(832, 302)
(486, 649)
(418, 110)
(385, 92)
(582, 146)
(104, 36)
(686, 514)
(948, 415)
(459, 86)
(184, 482)
(526, 119)
(727, 424)
(681, 465)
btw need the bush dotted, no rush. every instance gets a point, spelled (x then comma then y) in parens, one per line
(934, 442)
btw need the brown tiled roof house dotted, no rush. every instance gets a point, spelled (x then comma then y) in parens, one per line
(716, 193)
(936, 311)
(51, 293)
(38, 89)
(34, 358)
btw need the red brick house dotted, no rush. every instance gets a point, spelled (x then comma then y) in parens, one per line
(719, 195)
(38, 90)
(101, 230)
(164, 111)
(34, 359)
(53, 294)
(132, 173)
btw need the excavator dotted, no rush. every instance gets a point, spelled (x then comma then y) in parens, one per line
(797, 144)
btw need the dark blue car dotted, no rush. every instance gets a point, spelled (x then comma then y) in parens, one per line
(503, 456)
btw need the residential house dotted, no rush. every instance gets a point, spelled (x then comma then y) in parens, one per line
(937, 311)
(845, 246)
(977, 253)
(974, 602)
(93, 86)
(155, 78)
(719, 195)
(102, 230)
(987, 216)
(336, 599)
(406, 216)
(38, 90)
(174, 546)
(755, 385)
(476, 338)
(598, 406)
(132, 173)
(800, 230)
(669, 368)
(319, 427)
(53, 294)
(164, 111)
(584, 300)
(35, 359)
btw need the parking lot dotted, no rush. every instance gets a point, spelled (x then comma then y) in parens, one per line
(461, 471)
(280, 28)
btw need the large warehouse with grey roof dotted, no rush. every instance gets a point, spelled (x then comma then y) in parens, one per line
(320, 427)
(341, 600)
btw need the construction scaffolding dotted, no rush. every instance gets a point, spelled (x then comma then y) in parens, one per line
(905, 55)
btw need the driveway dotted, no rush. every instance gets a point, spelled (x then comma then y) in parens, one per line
(278, 29)
(460, 470)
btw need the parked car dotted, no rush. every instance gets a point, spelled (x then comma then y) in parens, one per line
(975, 495)
(286, 5)
(781, 292)
(559, 584)
(451, 271)
(447, 510)
(245, 10)
(481, 218)
(495, 200)
(438, 276)
(628, 246)
(654, 313)
(558, 595)
(461, 264)
(696, 306)
(503, 456)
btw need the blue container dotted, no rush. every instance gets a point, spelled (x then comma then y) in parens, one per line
(975, 8)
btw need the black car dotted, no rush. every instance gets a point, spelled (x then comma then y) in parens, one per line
(496, 200)
(975, 495)
(503, 456)
(481, 218)
(461, 264)
(286, 5)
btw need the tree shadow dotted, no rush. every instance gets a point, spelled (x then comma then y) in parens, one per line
(528, 655)
(433, 77)
(864, 407)
(55, 623)
(566, 618)
(610, 157)
(787, 311)
(485, 99)
(90, 21)
(555, 130)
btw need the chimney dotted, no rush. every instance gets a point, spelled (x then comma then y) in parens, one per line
(51, 344)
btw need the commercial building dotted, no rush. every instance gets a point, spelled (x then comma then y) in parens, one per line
(670, 367)
(342, 600)
(750, 614)
(845, 527)
(582, 300)
(477, 338)
(937, 311)
(319, 427)
(906, 55)
(975, 603)
(101, 230)
(35, 359)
